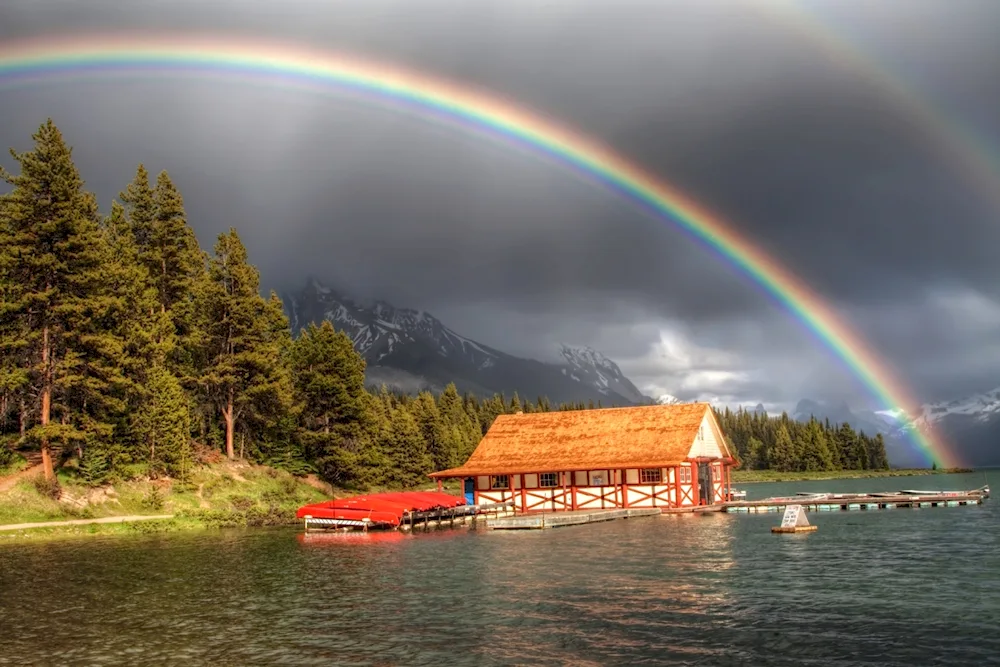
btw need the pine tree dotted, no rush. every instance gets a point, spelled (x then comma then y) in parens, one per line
(780, 451)
(144, 333)
(407, 451)
(847, 445)
(816, 452)
(876, 453)
(440, 441)
(329, 377)
(464, 434)
(51, 263)
(141, 213)
(755, 456)
(245, 372)
(173, 256)
(176, 266)
(163, 425)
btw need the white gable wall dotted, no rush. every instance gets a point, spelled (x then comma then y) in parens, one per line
(707, 441)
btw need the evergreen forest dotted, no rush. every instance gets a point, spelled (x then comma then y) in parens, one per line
(126, 348)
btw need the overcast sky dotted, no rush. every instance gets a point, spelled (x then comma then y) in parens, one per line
(729, 101)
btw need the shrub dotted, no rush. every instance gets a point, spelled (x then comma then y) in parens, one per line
(6, 456)
(94, 468)
(47, 487)
(153, 500)
(241, 503)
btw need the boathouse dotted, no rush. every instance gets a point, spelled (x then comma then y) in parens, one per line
(666, 456)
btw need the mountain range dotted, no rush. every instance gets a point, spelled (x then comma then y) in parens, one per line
(411, 350)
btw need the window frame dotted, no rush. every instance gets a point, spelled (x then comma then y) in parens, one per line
(494, 479)
(543, 476)
(645, 475)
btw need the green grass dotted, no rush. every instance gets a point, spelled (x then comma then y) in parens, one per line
(220, 495)
(751, 476)
(227, 494)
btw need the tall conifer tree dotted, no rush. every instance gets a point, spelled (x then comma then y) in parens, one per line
(243, 348)
(51, 263)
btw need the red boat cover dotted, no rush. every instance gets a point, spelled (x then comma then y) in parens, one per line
(383, 508)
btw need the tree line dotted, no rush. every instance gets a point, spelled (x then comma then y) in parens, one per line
(761, 442)
(123, 344)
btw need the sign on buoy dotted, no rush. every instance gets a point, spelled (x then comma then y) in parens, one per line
(794, 521)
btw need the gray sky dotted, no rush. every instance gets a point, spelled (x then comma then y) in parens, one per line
(726, 100)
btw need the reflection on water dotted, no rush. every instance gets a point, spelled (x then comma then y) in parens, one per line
(332, 539)
(913, 587)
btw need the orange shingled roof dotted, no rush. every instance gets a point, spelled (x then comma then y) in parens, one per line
(640, 437)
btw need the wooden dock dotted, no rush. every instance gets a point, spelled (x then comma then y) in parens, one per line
(572, 518)
(860, 501)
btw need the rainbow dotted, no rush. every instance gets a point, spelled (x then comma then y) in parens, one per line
(969, 153)
(39, 58)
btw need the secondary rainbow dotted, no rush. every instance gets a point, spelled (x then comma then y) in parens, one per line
(41, 58)
(970, 154)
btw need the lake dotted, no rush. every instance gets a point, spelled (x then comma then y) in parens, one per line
(890, 587)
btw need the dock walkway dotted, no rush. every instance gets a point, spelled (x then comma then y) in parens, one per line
(848, 502)
(572, 518)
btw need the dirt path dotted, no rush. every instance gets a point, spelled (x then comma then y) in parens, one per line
(83, 522)
(7, 483)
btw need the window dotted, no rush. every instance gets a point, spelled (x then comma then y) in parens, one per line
(499, 482)
(685, 475)
(701, 432)
(548, 479)
(650, 476)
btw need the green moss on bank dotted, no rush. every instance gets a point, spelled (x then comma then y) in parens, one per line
(751, 476)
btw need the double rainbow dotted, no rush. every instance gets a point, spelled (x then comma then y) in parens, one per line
(33, 59)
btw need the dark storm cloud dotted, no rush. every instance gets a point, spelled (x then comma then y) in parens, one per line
(723, 100)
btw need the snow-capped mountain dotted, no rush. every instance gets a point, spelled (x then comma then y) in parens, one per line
(979, 407)
(586, 365)
(667, 399)
(378, 329)
(971, 425)
(412, 350)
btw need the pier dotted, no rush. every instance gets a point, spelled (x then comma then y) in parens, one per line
(834, 502)
(541, 520)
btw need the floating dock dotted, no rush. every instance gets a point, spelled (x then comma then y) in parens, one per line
(406, 510)
(573, 518)
(833, 502)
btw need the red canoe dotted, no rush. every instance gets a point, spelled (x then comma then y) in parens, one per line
(380, 508)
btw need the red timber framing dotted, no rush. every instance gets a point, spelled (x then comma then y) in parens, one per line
(676, 486)
(599, 458)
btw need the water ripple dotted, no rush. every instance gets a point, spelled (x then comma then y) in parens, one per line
(891, 588)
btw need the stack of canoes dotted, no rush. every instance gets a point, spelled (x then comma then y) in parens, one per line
(377, 510)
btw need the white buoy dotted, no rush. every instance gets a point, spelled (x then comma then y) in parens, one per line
(794, 521)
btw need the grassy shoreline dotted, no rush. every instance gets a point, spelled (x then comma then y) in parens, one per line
(218, 495)
(223, 495)
(755, 476)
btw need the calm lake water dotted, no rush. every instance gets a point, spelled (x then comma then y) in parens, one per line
(894, 587)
